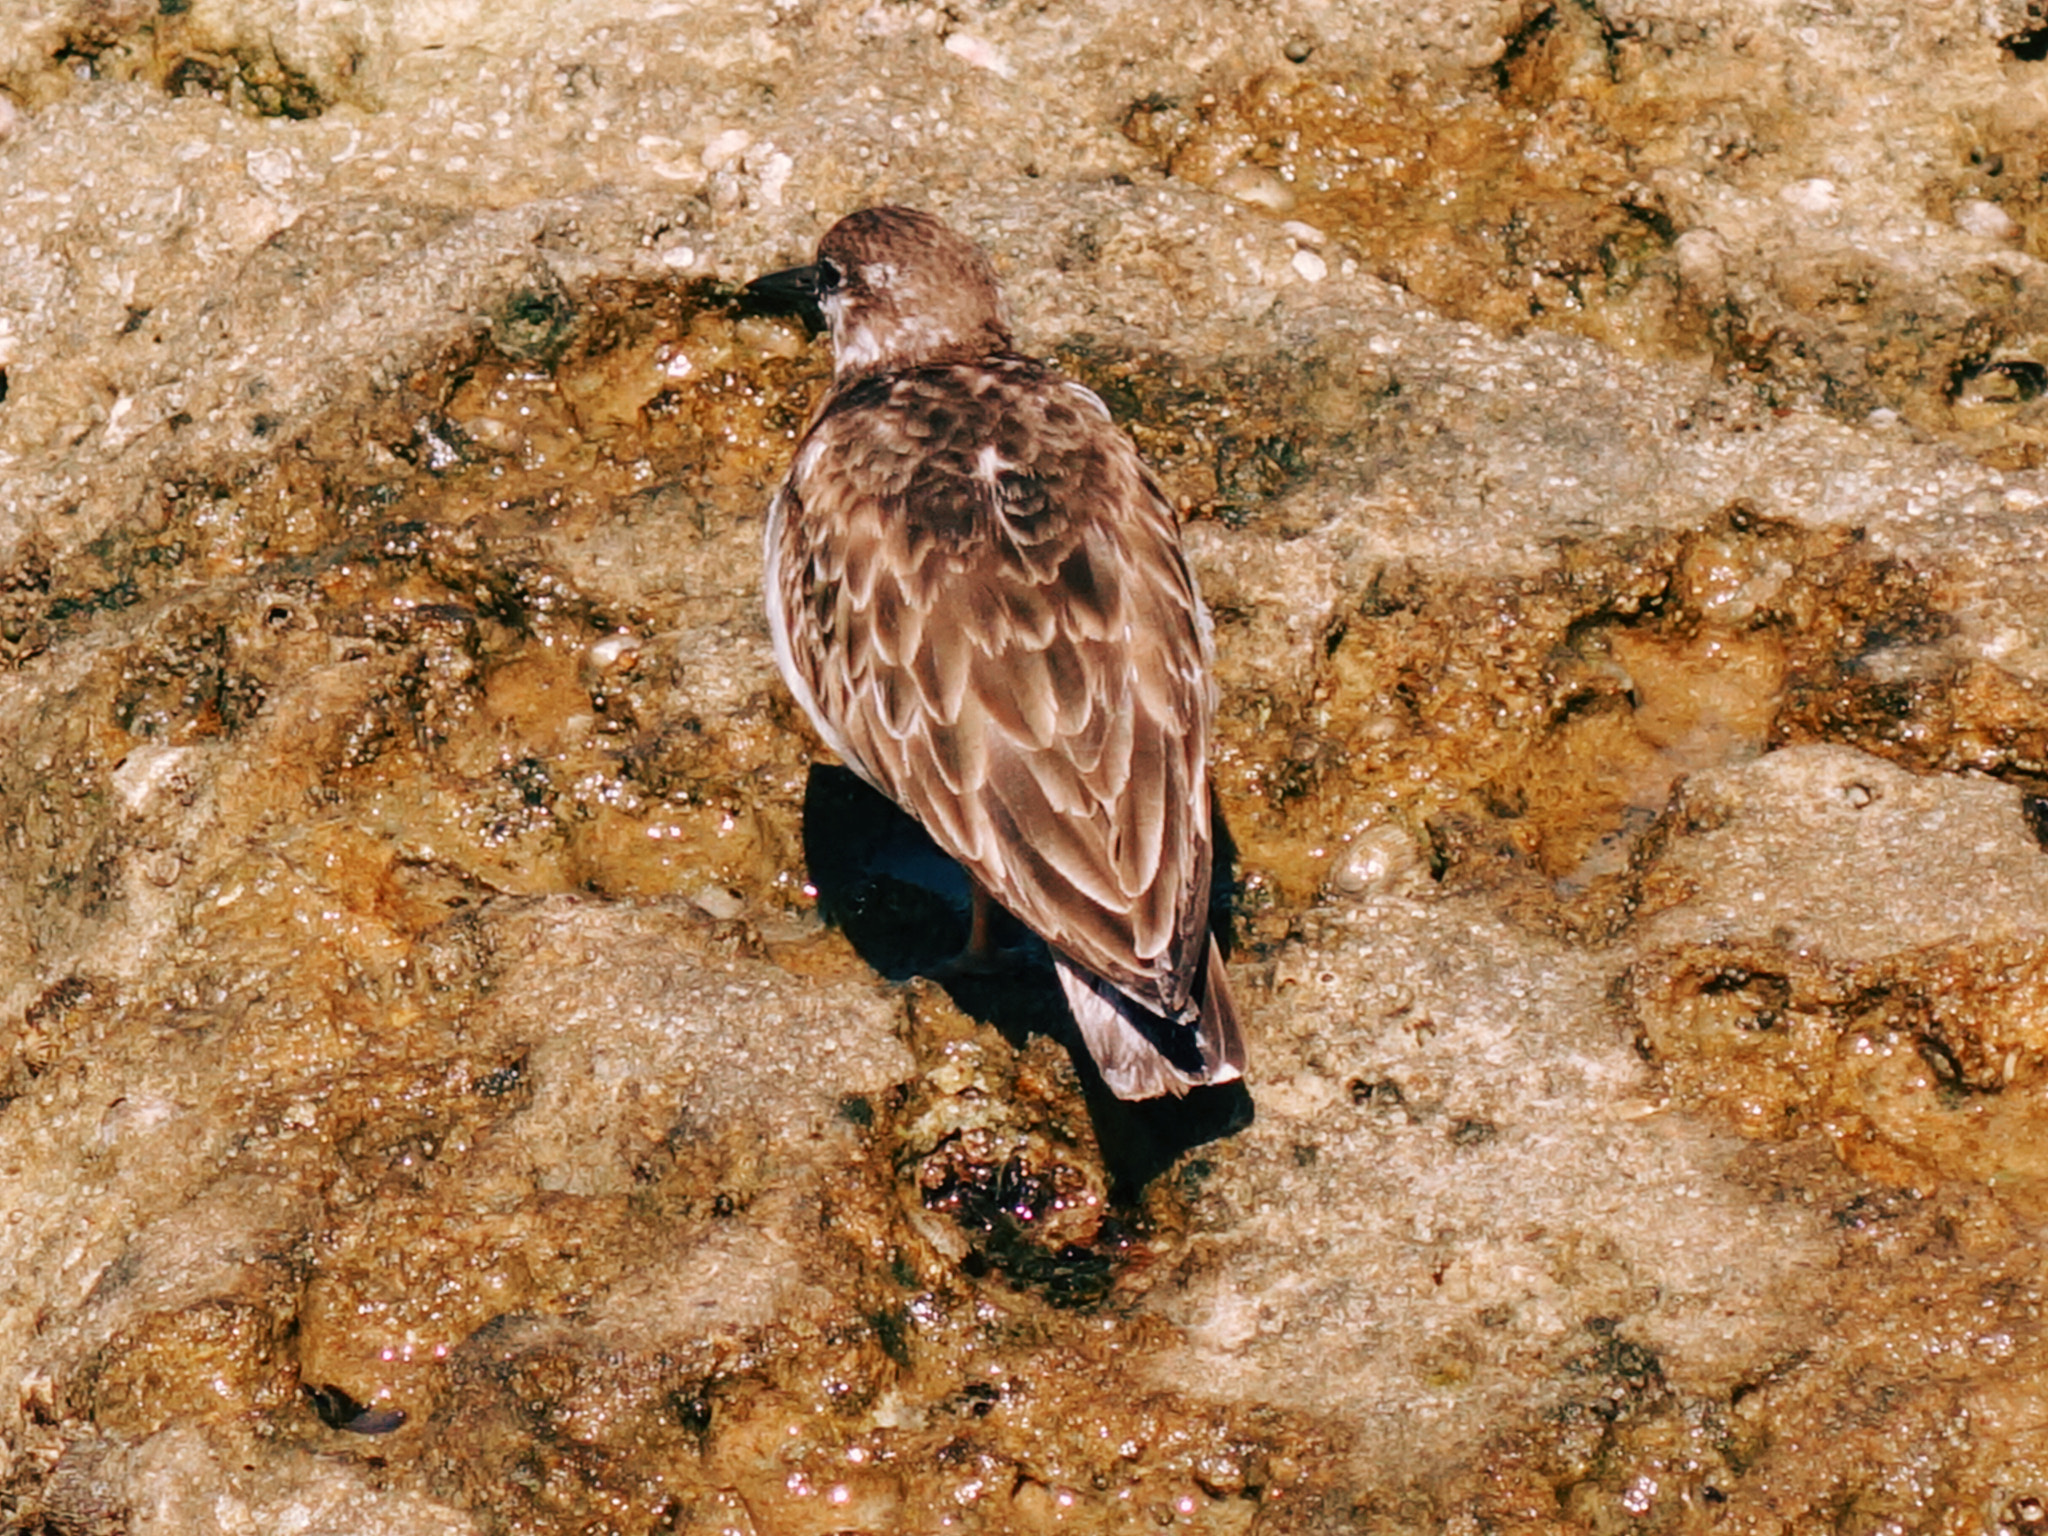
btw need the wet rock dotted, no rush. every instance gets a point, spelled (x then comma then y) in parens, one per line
(1895, 1000)
(459, 1069)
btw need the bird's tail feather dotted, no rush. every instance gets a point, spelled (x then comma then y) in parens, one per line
(1142, 1055)
(1221, 1037)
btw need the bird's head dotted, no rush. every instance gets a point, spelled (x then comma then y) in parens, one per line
(897, 289)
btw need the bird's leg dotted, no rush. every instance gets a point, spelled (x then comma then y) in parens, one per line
(980, 937)
(981, 956)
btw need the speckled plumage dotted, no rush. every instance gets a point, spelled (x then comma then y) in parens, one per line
(978, 595)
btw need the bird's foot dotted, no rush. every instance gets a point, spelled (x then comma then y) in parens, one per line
(982, 956)
(983, 960)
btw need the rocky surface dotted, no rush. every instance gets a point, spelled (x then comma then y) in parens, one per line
(459, 1073)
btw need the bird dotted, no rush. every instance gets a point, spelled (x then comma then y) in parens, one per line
(977, 593)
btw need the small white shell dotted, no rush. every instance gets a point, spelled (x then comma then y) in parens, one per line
(1378, 859)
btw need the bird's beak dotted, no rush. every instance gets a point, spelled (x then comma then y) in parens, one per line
(792, 291)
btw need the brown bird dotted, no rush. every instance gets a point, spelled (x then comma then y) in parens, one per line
(978, 595)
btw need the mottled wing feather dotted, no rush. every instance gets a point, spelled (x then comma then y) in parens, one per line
(990, 618)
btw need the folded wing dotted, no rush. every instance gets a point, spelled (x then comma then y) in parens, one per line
(995, 625)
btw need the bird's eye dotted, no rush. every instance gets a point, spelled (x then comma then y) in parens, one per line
(829, 277)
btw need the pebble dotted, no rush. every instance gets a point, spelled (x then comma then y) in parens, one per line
(1987, 221)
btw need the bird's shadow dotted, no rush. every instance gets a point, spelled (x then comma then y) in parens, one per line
(904, 906)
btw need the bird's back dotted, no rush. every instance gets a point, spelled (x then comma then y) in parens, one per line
(980, 598)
